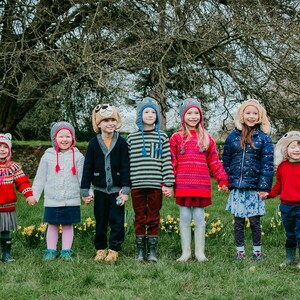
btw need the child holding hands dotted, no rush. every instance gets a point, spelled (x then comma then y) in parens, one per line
(194, 156)
(11, 174)
(58, 175)
(248, 161)
(287, 160)
(106, 167)
(151, 176)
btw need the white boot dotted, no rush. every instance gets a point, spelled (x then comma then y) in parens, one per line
(199, 233)
(185, 233)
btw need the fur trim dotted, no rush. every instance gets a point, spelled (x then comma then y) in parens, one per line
(263, 119)
(280, 153)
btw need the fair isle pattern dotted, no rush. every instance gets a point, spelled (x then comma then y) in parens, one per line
(192, 168)
(153, 170)
(12, 176)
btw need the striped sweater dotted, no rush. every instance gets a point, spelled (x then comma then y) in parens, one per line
(192, 168)
(153, 170)
(9, 178)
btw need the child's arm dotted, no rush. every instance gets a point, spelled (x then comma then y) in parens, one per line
(167, 168)
(40, 179)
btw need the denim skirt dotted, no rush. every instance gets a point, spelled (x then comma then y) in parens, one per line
(62, 215)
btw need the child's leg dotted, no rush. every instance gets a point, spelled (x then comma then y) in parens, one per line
(153, 220)
(116, 223)
(256, 236)
(139, 204)
(67, 236)
(239, 227)
(52, 236)
(199, 233)
(291, 223)
(5, 238)
(185, 214)
(101, 212)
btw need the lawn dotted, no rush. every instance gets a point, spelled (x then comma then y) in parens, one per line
(219, 278)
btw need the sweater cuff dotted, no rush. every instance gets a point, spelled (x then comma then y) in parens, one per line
(84, 192)
(221, 183)
(125, 190)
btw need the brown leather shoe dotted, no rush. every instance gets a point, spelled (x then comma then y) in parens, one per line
(101, 254)
(112, 256)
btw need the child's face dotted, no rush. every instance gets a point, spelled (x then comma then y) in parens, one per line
(293, 151)
(149, 116)
(4, 151)
(251, 115)
(108, 126)
(64, 140)
(192, 118)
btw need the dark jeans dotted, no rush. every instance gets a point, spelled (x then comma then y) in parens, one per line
(239, 227)
(290, 216)
(146, 204)
(106, 212)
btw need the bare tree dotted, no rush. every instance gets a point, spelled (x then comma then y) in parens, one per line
(214, 50)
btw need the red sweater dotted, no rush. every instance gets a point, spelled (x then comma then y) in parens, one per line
(10, 176)
(287, 183)
(192, 168)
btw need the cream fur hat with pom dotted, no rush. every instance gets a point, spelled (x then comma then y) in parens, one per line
(280, 153)
(262, 120)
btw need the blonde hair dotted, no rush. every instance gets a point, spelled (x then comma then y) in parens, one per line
(202, 135)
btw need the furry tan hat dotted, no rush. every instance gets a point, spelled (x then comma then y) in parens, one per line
(102, 112)
(262, 120)
(280, 153)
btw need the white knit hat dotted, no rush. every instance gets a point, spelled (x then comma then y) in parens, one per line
(280, 153)
(6, 139)
(262, 120)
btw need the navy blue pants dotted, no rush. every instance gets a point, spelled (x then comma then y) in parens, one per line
(239, 227)
(290, 216)
(107, 212)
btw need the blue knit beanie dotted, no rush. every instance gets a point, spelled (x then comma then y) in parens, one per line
(141, 105)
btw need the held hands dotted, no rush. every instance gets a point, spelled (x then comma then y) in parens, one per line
(123, 198)
(167, 191)
(87, 200)
(263, 195)
(223, 188)
(31, 200)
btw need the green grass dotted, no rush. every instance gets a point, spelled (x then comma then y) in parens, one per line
(220, 278)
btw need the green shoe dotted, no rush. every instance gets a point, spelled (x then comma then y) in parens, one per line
(66, 254)
(49, 254)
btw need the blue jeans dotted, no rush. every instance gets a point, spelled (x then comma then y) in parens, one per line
(290, 216)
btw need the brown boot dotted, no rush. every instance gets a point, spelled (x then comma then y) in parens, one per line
(101, 254)
(112, 256)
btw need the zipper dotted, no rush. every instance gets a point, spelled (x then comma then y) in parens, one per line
(243, 158)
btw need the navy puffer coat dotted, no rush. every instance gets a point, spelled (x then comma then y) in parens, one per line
(249, 168)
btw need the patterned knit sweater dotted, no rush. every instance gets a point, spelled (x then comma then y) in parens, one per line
(153, 170)
(192, 168)
(10, 176)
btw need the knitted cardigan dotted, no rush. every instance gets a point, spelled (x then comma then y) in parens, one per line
(192, 168)
(10, 177)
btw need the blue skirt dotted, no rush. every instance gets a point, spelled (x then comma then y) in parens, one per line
(245, 203)
(64, 215)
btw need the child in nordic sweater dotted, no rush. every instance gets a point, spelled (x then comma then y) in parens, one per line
(248, 161)
(11, 175)
(287, 159)
(194, 156)
(59, 174)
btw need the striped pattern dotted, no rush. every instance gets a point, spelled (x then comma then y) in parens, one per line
(8, 221)
(154, 170)
(12, 176)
